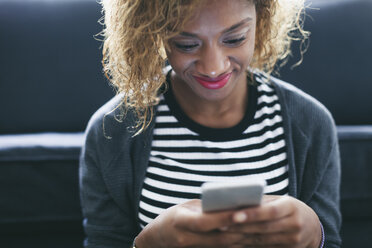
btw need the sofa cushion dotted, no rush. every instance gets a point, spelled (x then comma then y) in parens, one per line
(356, 185)
(356, 160)
(39, 183)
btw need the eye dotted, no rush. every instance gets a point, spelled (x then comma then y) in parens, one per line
(235, 41)
(186, 47)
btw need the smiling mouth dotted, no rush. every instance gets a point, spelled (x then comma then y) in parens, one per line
(213, 83)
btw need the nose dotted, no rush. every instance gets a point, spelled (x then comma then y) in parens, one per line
(212, 62)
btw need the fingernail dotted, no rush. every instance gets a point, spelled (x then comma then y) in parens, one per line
(240, 217)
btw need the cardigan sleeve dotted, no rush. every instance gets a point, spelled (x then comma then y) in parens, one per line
(316, 164)
(105, 224)
(325, 199)
(314, 158)
(319, 169)
(105, 196)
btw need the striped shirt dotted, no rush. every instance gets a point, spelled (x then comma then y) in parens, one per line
(185, 154)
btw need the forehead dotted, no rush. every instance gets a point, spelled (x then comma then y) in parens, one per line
(218, 15)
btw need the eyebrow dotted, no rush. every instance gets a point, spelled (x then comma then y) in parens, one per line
(233, 27)
(239, 24)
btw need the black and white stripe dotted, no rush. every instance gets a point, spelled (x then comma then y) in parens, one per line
(182, 158)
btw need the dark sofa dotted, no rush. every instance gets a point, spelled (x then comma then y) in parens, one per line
(51, 82)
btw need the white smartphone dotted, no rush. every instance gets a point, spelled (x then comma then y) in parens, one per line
(217, 196)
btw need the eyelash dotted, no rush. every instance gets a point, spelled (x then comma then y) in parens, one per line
(185, 47)
(235, 41)
(231, 42)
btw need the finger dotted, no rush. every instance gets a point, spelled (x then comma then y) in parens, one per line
(210, 221)
(284, 224)
(263, 246)
(272, 210)
(210, 239)
(269, 198)
(258, 246)
(274, 239)
(191, 217)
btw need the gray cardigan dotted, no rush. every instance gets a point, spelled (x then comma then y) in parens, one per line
(113, 166)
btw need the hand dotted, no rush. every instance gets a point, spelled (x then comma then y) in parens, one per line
(280, 221)
(185, 225)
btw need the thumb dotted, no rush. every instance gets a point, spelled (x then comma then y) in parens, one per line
(190, 216)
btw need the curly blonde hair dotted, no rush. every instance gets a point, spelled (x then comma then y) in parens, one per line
(136, 32)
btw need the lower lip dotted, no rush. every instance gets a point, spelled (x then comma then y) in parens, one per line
(214, 85)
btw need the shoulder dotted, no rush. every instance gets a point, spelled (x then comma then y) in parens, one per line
(109, 128)
(107, 118)
(304, 111)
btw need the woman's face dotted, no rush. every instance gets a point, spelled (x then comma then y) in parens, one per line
(209, 58)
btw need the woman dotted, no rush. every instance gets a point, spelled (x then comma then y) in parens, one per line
(212, 115)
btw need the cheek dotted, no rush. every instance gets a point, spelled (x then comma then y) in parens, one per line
(248, 49)
(178, 61)
(244, 55)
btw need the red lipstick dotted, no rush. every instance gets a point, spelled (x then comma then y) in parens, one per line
(213, 83)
